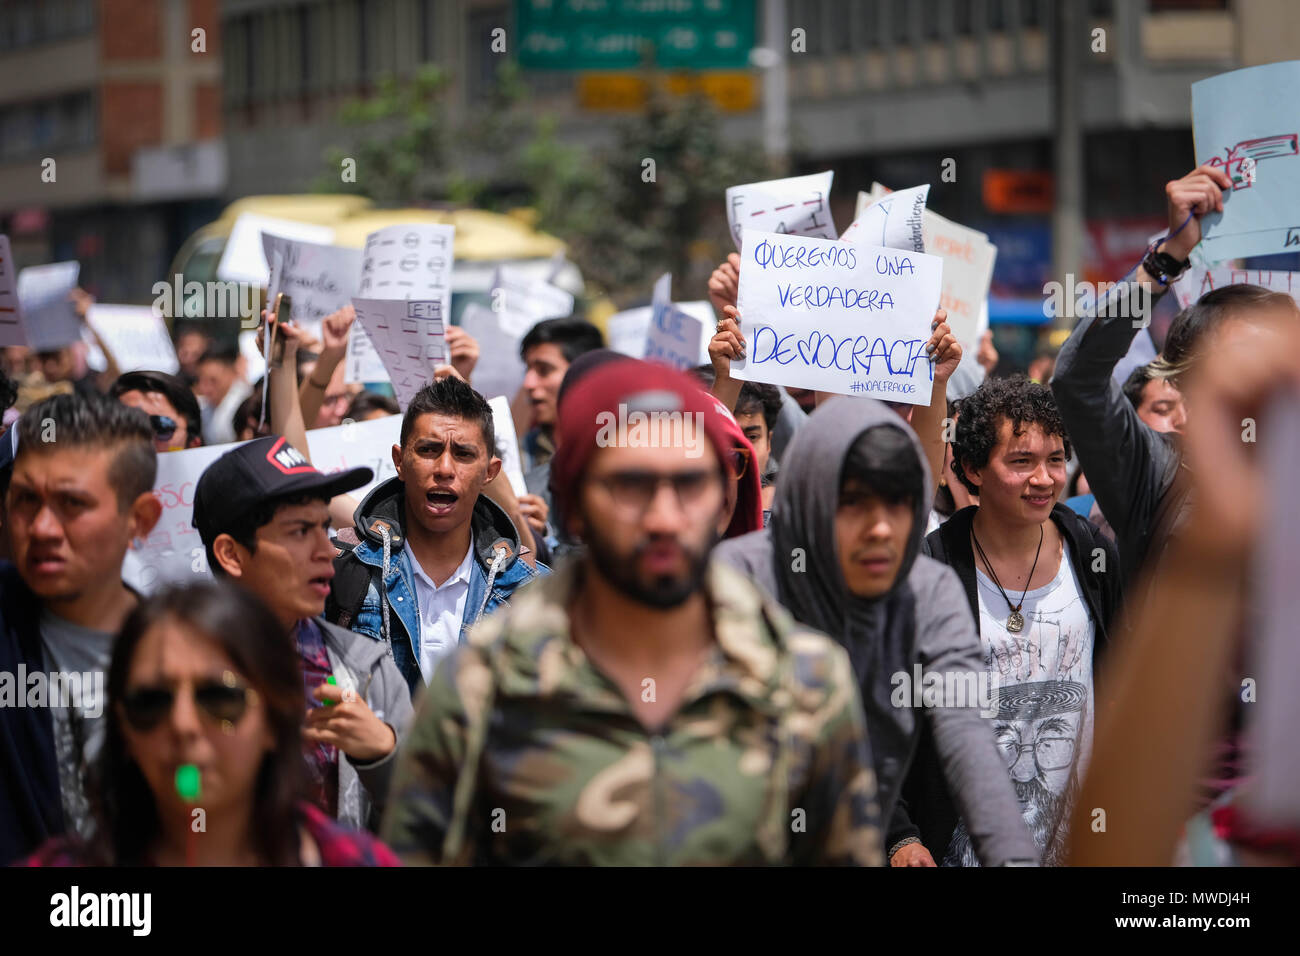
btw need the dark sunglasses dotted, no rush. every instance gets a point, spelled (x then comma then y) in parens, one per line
(224, 701)
(163, 427)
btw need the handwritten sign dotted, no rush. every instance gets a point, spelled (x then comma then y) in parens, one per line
(674, 338)
(1196, 282)
(503, 424)
(49, 318)
(174, 551)
(319, 279)
(1246, 123)
(837, 316)
(363, 363)
(499, 370)
(894, 220)
(244, 257)
(409, 339)
(408, 262)
(136, 337)
(798, 206)
(968, 259)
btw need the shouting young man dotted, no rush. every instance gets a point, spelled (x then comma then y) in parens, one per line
(435, 553)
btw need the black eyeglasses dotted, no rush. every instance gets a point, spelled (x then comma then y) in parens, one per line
(224, 701)
(163, 427)
(633, 491)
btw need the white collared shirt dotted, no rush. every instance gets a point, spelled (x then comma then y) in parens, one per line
(441, 610)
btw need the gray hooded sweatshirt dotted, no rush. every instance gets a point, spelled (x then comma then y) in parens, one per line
(924, 619)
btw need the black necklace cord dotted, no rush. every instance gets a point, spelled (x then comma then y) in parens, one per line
(993, 574)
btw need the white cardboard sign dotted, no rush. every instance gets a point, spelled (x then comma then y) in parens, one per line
(798, 206)
(837, 316)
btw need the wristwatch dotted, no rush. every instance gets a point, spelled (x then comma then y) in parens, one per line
(1163, 267)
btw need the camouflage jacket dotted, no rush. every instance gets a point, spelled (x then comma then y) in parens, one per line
(523, 753)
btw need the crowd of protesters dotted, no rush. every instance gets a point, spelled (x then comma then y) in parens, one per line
(714, 645)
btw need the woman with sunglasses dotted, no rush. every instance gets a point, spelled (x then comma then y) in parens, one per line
(204, 710)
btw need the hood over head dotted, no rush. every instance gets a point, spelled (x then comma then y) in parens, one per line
(803, 516)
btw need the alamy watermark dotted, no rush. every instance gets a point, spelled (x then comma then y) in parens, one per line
(1105, 300)
(652, 429)
(83, 690)
(966, 688)
(179, 299)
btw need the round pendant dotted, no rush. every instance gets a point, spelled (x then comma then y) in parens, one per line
(1015, 622)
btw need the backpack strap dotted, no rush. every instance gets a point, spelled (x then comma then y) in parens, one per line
(348, 589)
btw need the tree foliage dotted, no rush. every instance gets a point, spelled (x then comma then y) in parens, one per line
(623, 226)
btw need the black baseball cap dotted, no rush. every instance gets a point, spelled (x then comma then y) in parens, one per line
(257, 471)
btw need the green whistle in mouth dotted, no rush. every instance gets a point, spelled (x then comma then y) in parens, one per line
(187, 782)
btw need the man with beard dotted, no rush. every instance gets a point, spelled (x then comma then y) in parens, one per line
(1037, 728)
(640, 706)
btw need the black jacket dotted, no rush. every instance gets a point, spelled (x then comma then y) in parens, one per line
(31, 804)
(928, 809)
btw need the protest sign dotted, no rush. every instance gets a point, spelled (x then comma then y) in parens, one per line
(136, 337)
(798, 206)
(521, 300)
(362, 362)
(174, 552)
(356, 445)
(49, 317)
(409, 262)
(968, 259)
(837, 316)
(318, 279)
(11, 317)
(674, 337)
(244, 257)
(253, 359)
(1245, 123)
(499, 370)
(1194, 283)
(409, 339)
(893, 220)
(1141, 351)
(507, 444)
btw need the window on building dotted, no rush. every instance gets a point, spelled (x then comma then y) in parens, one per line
(42, 128)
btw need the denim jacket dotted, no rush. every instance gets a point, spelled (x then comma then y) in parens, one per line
(380, 522)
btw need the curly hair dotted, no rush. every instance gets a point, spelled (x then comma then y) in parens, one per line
(1017, 400)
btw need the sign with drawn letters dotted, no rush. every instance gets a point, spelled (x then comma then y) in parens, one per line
(798, 206)
(837, 316)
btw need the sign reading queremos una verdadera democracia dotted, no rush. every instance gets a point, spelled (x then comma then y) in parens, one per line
(837, 316)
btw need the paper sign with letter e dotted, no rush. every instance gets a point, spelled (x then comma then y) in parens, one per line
(244, 257)
(318, 279)
(674, 337)
(837, 316)
(1246, 123)
(49, 317)
(11, 317)
(135, 335)
(409, 262)
(798, 206)
(408, 342)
